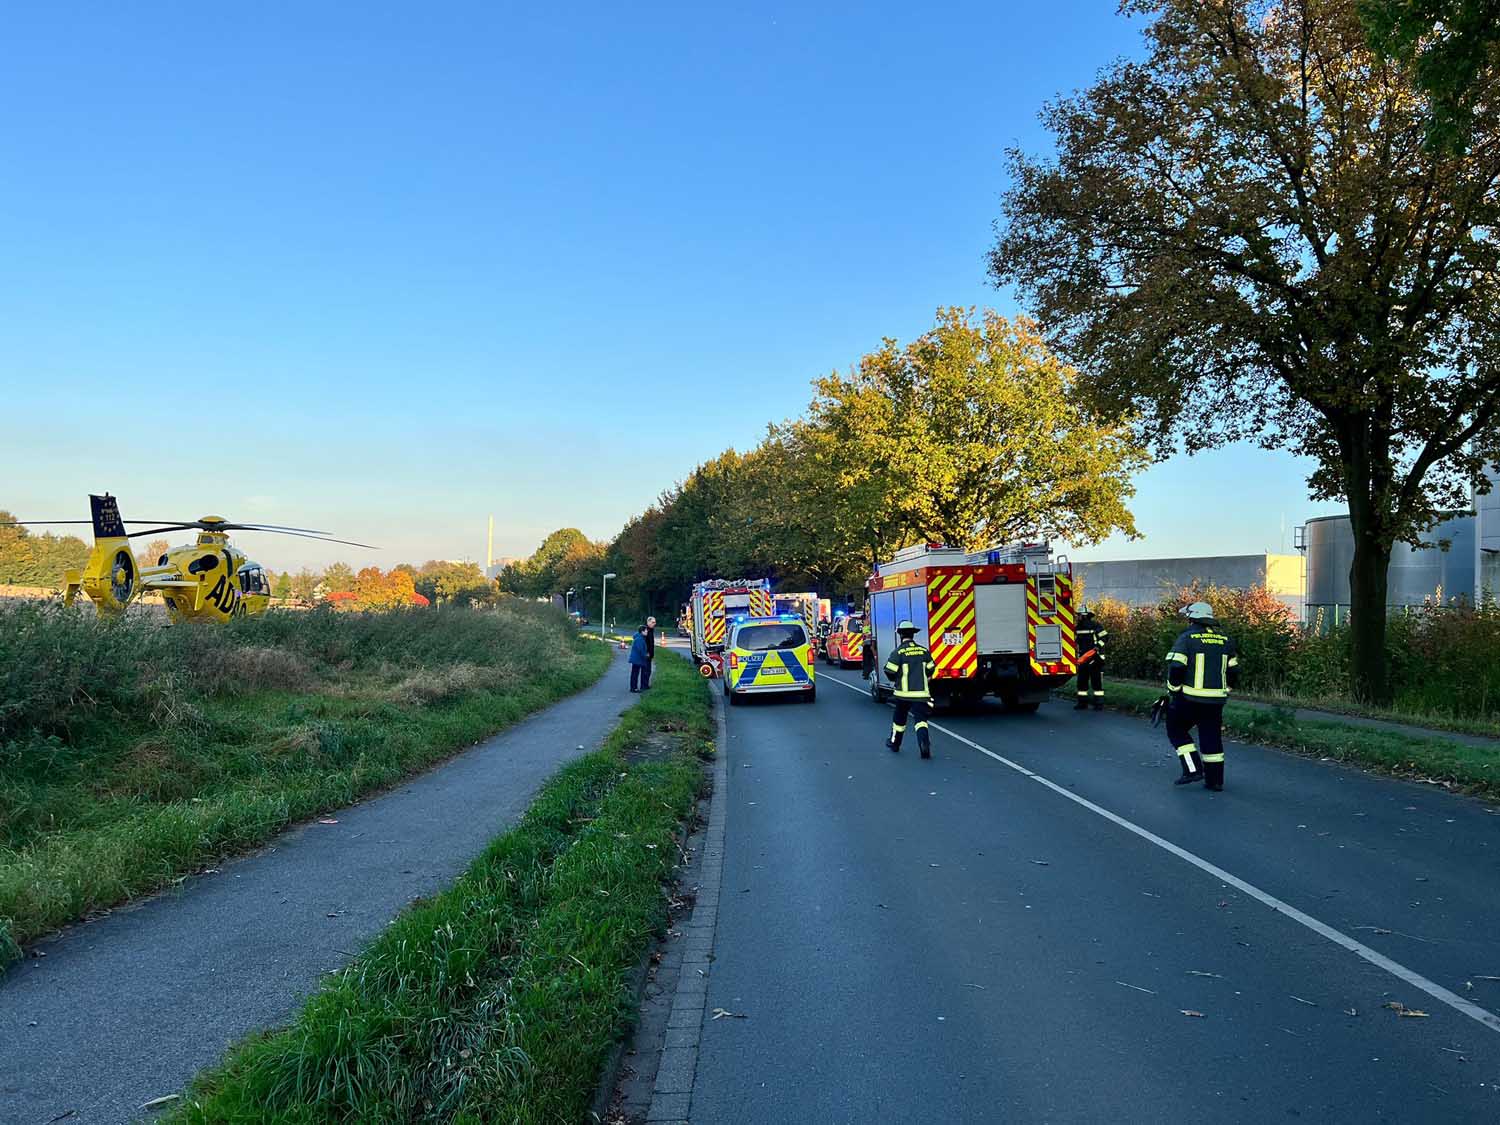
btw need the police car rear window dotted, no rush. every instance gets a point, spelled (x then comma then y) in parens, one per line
(761, 638)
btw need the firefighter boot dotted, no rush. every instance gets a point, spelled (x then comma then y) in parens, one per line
(1083, 702)
(1213, 774)
(1192, 768)
(924, 743)
(893, 744)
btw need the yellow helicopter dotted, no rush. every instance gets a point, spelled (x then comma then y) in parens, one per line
(207, 580)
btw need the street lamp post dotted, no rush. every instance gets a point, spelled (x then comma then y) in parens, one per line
(604, 602)
(568, 600)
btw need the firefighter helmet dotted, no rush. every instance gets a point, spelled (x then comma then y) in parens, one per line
(1198, 611)
(907, 627)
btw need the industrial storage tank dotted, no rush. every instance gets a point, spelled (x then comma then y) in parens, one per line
(1416, 574)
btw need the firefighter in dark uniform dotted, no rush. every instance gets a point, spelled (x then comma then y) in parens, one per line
(910, 670)
(1201, 668)
(1090, 636)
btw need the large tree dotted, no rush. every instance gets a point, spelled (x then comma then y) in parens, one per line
(972, 434)
(1243, 236)
(1453, 50)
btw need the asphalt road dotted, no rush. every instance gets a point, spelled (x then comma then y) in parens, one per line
(127, 1009)
(955, 940)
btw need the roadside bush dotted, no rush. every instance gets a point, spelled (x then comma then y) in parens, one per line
(1261, 625)
(1444, 659)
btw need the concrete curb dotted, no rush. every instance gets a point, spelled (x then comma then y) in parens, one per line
(672, 1093)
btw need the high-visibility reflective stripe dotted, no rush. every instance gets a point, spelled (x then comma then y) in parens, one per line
(1081, 694)
(922, 725)
(1176, 658)
(1213, 757)
(898, 729)
(1223, 671)
(1198, 670)
(1187, 751)
(1204, 693)
(1099, 694)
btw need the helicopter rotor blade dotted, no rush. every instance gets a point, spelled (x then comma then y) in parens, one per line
(321, 538)
(162, 530)
(267, 527)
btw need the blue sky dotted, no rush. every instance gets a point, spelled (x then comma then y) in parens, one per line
(391, 268)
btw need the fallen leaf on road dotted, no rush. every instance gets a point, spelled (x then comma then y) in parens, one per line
(163, 1100)
(1201, 973)
(934, 865)
(1040, 862)
(1402, 1010)
(725, 1013)
(1299, 1000)
(1350, 1012)
(321, 820)
(1190, 1012)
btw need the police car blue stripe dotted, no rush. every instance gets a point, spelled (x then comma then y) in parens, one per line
(793, 665)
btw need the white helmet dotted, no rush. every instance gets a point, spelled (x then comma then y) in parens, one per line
(906, 626)
(1198, 611)
(1083, 607)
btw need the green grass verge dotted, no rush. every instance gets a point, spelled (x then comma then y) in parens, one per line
(1475, 769)
(1337, 705)
(499, 998)
(132, 754)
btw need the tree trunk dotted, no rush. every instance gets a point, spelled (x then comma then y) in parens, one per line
(1369, 576)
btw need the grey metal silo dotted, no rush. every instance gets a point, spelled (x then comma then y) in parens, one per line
(1416, 574)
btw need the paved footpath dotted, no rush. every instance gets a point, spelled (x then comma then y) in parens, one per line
(130, 1007)
(1038, 926)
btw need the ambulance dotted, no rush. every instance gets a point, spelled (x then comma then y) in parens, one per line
(769, 654)
(803, 604)
(709, 611)
(998, 622)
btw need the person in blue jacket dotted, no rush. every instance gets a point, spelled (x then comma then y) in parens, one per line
(640, 660)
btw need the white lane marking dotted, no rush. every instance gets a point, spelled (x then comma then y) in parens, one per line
(1379, 960)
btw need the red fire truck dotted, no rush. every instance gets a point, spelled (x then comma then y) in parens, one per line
(998, 622)
(713, 604)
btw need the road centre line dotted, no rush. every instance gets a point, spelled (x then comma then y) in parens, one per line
(1379, 960)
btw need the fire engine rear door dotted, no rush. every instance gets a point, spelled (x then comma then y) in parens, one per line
(1000, 618)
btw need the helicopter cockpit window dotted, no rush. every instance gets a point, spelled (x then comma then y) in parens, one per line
(253, 580)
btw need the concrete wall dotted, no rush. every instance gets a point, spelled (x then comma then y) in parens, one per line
(1144, 581)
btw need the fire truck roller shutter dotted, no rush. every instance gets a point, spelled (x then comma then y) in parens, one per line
(883, 625)
(1000, 618)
